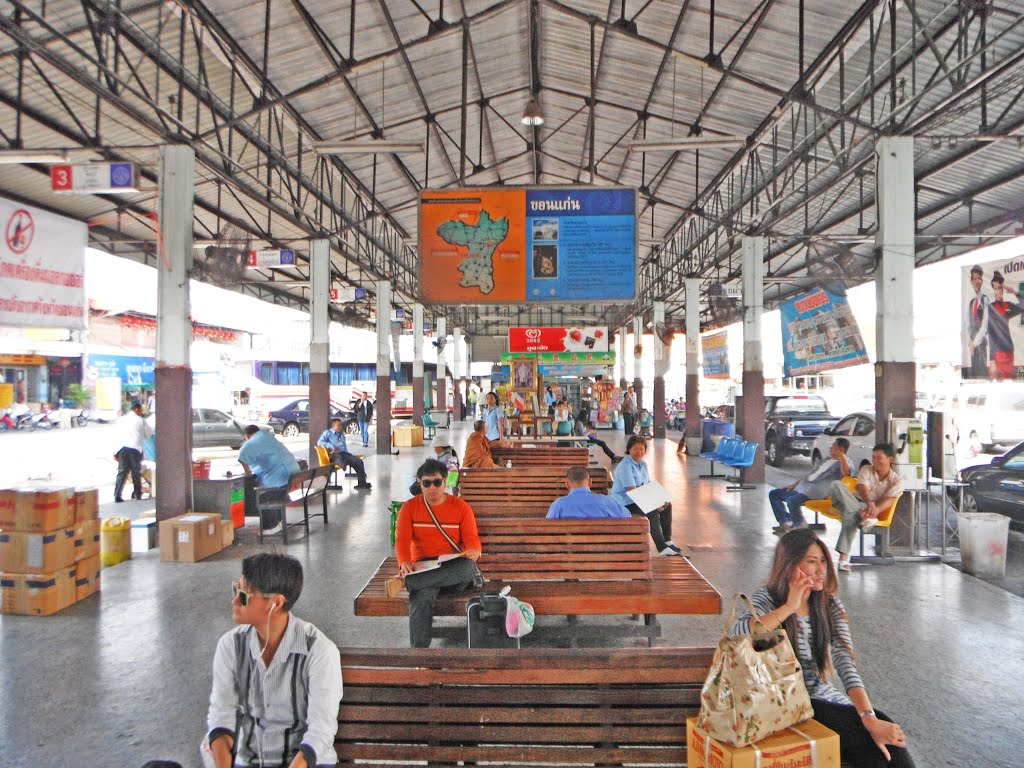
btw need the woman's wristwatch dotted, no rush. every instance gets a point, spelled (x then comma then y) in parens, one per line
(868, 713)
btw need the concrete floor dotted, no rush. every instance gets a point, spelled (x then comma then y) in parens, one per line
(124, 676)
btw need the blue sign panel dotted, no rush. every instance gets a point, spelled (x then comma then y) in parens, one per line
(820, 333)
(580, 244)
(715, 350)
(133, 371)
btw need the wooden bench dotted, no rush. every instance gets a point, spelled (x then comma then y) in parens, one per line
(559, 567)
(304, 485)
(408, 707)
(524, 492)
(542, 456)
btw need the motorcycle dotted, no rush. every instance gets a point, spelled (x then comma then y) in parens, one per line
(23, 421)
(6, 422)
(42, 419)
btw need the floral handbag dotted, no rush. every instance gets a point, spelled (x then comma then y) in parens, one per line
(755, 687)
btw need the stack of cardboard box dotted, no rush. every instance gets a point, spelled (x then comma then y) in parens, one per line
(49, 548)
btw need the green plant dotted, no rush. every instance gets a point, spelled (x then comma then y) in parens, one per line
(78, 395)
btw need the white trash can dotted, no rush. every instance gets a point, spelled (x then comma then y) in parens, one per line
(983, 540)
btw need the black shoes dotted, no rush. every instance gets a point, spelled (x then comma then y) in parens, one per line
(118, 500)
(363, 486)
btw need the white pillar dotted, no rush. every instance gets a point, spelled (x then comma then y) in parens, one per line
(457, 393)
(753, 360)
(662, 356)
(441, 389)
(417, 363)
(383, 405)
(638, 382)
(692, 295)
(319, 341)
(622, 358)
(895, 375)
(174, 331)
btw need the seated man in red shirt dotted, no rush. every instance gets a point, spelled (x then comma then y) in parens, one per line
(418, 541)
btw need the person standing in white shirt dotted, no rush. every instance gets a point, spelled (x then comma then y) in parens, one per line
(133, 431)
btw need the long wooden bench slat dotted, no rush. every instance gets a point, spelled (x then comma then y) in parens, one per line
(430, 712)
(525, 696)
(511, 753)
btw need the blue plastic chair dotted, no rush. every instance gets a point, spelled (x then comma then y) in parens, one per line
(564, 428)
(728, 448)
(430, 425)
(741, 464)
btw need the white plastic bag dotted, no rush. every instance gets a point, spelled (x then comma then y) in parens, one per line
(519, 616)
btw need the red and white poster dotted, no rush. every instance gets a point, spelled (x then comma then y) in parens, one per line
(42, 268)
(575, 339)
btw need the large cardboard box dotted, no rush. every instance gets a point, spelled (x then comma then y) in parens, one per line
(87, 504)
(23, 552)
(87, 540)
(87, 577)
(806, 745)
(15, 503)
(37, 594)
(190, 538)
(407, 437)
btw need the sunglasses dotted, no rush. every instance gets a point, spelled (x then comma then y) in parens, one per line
(432, 483)
(243, 596)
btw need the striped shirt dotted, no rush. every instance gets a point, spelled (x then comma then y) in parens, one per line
(274, 712)
(842, 658)
(417, 538)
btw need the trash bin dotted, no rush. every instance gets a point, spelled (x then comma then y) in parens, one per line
(715, 427)
(983, 541)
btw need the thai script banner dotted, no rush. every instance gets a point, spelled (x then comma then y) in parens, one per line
(42, 268)
(132, 371)
(502, 245)
(557, 358)
(820, 333)
(715, 350)
(992, 308)
(575, 339)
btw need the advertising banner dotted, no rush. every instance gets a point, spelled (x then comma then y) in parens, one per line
(502, 245)
(134, 372)
(561, 358)
(575, 339)
(42, 268)
(820, 333)
(715, 349)
(992, 307)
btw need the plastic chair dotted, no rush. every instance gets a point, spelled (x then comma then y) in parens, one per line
(324, 457)
(729, 448)
(564, 429)
(430, 425)
(645, 426)
(824, 507)
(746, 460)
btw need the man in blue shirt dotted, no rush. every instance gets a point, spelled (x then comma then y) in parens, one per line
(272, 464)
(333, 440)
(581, 501)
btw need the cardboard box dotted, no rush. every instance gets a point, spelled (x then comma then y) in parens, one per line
(23, 552)
(143, 534)
(407, 437)
(87, 577)
(14, 503)
(87, 504)
(39, 510)
(227, 533)
(190, 538)
(87, 540)
(37, 594)
(806, 745)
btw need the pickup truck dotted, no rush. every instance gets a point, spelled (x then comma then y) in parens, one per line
(791, 425)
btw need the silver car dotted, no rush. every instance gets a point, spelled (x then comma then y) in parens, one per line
(859, 429)
(211, 427)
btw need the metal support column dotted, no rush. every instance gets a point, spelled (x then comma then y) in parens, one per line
(319, 342)
(382, 411)
(417, 363)
(638, 382)
(441, 400)
(174, 332)
(692, 434)
(662, 358)
(753, 362)
(457, 374)
(622, 359)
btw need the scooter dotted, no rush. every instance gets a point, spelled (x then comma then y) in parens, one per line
(23, 421)
(6, 422)
(42, 420)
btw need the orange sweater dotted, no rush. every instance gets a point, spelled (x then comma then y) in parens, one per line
(417, 538)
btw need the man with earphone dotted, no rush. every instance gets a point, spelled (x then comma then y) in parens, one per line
(276, 678)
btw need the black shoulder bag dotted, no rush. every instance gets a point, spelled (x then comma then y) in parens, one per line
(478, 576)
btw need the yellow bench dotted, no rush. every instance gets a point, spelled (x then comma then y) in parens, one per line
(824, 507)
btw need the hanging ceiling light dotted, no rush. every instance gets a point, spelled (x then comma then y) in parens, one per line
(532, 115)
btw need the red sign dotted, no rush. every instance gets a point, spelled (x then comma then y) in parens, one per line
(61, 178)
(575, 339)
(21, 228)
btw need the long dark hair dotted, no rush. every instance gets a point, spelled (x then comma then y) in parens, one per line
(791, 549)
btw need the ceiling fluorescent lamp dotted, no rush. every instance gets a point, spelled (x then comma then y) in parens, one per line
(14, 156)
(532, 115)
(366, 147)
(694, 142)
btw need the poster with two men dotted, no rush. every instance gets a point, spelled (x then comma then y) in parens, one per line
(993, 319)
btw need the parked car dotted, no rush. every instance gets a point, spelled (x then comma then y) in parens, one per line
(211, 427)
(996, 487)
(859, 429)
(293, 419)
(791, 425)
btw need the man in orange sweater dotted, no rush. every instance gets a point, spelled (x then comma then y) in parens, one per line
(417, 539)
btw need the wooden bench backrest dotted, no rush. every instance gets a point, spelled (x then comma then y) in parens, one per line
(563, 707)
(526, 492)
(542, 456)
(558, 550)
(309, 482)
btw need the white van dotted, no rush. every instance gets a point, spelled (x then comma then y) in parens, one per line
(995, 410)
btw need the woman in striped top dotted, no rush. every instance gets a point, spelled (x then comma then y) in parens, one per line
(800, 597)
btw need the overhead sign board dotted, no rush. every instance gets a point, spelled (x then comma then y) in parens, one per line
(272, 258)
(561, 358)
(502, 245)
(819, 332)
(715, 348)
(573, 339)
(345, 295)
(93, 178)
